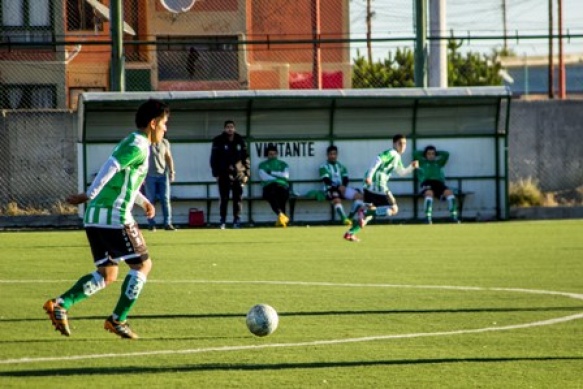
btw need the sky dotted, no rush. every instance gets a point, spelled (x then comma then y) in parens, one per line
(395, 18)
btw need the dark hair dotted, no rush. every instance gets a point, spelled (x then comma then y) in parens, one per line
(150, 110)
(428, 148)
(398, 137)
(228, 122)
(331, 148)
(270, 147)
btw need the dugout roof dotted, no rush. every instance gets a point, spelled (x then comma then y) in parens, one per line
(337, 113)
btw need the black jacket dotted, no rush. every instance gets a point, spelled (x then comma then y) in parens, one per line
(230, 158)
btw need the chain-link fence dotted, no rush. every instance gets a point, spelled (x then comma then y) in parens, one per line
(544, 149)
(38, 161)
(53, 50)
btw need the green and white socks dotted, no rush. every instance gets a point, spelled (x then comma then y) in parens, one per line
(356, 204)
(85, 287)
(92, 283)
(130, 291)
(428, 208)
(451, 206)
(340, 211)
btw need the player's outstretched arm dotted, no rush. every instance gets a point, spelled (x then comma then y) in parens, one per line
(77, 199)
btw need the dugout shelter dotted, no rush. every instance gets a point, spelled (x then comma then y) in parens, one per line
(470, 123)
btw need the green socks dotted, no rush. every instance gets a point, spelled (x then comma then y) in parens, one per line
(354, 229)
(428, 207)
(452, 206)
(355, 207)
(130, 291)
(86, 286)
(340, 211)
(92, 283)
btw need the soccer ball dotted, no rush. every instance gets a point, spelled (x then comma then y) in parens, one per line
(262, 320)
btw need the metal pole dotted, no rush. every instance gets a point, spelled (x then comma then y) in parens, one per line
(551, 65)
(506, 169)
(505, 26)
(316, 58)
(420, 44)
(117, 78)
(437, 47)
(526, 80)
(368, 31)
(561, 80)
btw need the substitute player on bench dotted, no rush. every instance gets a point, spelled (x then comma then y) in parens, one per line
(334, 175)
(432, 178)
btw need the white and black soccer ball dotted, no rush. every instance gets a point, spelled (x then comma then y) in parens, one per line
(262, 320)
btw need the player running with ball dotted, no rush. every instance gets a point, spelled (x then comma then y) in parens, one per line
(111, 230)
(378, 199)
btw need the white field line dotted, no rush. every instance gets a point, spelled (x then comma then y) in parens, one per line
(577, 296)
(287, 345)
(317, 342)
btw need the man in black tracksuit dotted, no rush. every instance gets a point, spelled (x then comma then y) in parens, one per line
(231, 168)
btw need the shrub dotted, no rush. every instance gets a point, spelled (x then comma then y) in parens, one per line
(14, 209)
(525, 193)
(63, 209)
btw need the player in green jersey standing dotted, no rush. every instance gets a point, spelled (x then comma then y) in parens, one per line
(430, 174)
(111, 230)
(335, 178)
(274, 174)
(379, 200)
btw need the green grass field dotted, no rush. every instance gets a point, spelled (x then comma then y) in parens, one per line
(494, 305)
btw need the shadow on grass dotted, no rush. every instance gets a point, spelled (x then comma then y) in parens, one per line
(315, 313)
(112, 371)
(206, 243)
(46, 246)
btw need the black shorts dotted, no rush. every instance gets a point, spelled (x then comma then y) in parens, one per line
(110, 246)
(436, 186)
(333, 193)
(378, 200)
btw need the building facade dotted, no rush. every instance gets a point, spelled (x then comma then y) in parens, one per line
(52, 50)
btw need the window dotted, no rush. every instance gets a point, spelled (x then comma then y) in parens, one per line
(26, 20)
(198, 58)
(81, 17)
(28, 96)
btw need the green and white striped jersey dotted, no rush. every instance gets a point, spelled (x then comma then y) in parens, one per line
(380, 171)
(334, 171)
(114, 190)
